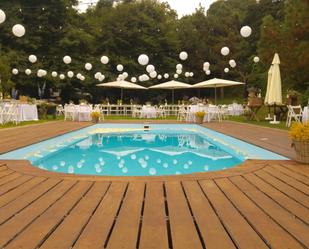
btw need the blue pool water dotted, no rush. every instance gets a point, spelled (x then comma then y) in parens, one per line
(129, 150)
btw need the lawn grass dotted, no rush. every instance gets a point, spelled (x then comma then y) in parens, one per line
(24, 123)
(262, 122)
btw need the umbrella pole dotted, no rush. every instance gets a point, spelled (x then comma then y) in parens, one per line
(121, 95)
(173, 96)
(215, 95)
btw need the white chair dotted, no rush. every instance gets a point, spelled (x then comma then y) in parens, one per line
(160, 112)
(99, 108)
(182, 113)
(59, 110)
(214, 113)
(11, 113)
(1, 114)
(136, 112)
(294, 112)
(69, 112)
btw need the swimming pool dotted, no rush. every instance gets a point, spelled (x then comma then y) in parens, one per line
(132, 150)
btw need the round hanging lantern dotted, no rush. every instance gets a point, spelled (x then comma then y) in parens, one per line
(101, 78)
(133, 79)
(208, 72)
(121, 77)
(179, 71)
(166, 76)
(226, 70)
(32, 58)
(15, 71)
(245, 31)
(143, 59)
(153, 74)
(145, 77)
(176, 75)
(54, 74)
(62, 76)
(206, 64)
(70, 74)
(119, 68)
(2, 16)
(18, 30)
(159, 77)
(225, 51)
(97, 75)
(44, 72)
(187, 74)
(82, 78)
(183, 55)
(232, 63)
(67, 59)
(150, 68)
(125, 75)
(256, 59)
(78, 76)
(28, 71)
(191, 74)
(88, 66)
(104, 59)
(178, 67)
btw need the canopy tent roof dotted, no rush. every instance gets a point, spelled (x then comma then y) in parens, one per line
(214, 83)
(121, 84)
(173, 84)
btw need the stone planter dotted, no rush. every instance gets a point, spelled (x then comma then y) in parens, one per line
(302, 151)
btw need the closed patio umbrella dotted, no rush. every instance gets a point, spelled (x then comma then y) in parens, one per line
(214, 83)
(122, 84)
(172, 85)
(274, 91)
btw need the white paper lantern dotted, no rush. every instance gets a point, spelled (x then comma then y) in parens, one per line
(119, 68)
(104, 59)
(32, 58)
(166, 76)
(44, 72)
(140, 78)
(153, 74)
(159, 77)
(256, 59)
(101, 78)
(176, 75)
(179, 71)
(78, 76)
(143, 59)
(40, 73)
(208, 72)
(2, 16)
(15, 71)
(245, 31)
(54, 74)
(88, 66)
(97, 75)
(191, 74)
(70, 74)
(82, 78)
(133, 79)
(118, 79)
(232, 63)
(178, 67)
(62, 76)
(18, 30)
(206, 64)
(145, 77)
(187, 74)
(183, 55)
(121, 77)
(226, 70)
(150, 68)
(125, 75)
(67, 59)
(28, 71)
(225, 51)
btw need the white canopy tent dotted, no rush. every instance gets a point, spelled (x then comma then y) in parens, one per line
(214, 83)
(171, 85)
(122, 84)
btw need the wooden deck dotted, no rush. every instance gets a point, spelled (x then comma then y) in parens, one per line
(261, 204)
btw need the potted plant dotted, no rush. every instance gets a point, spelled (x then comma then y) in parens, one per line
(95, 117)
(299, 133)
(199, 117)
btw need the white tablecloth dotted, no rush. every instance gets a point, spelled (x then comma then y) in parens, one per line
(210, 112)
(305, 114)
(235, 109)
(82, 113)
(26, 112)
(148, 112)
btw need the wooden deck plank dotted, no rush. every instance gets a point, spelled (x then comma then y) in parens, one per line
(154, 230)
(209, 224)
(12, 227)
(5, 172)
(183, 230)
(98, 228)
(45, 223)
(73, 224)
(241, 232)
(271, 232)
(301, 169)
(289, 180)
(286, 219)
(8, 178)
(284, 188)
(13, 184)
(20, 190)
(22, 202)
(291, 173)
(294, 207)
(129, 217)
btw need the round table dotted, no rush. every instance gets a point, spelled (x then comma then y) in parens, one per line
(148, 112)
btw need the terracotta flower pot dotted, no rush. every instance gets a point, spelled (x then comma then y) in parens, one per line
(199, 119)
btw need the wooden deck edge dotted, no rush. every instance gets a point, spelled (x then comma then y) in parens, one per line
(249, 166)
